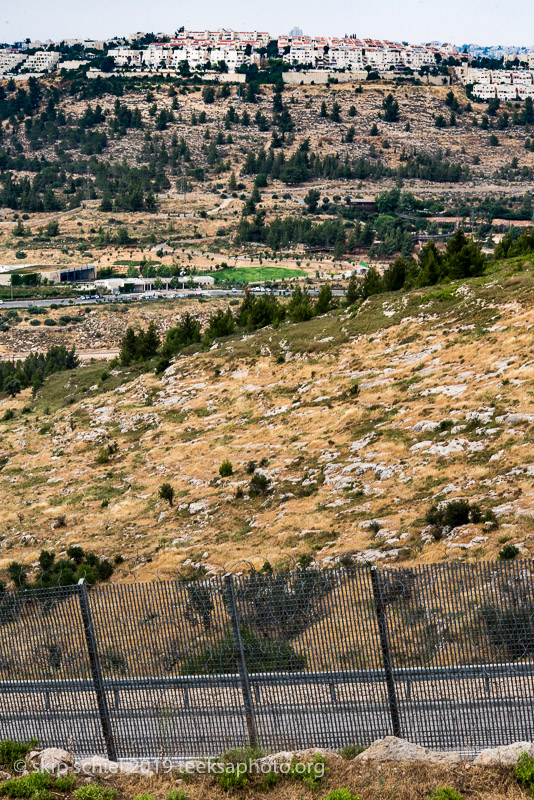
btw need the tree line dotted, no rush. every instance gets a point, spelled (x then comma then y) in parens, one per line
(32, 371)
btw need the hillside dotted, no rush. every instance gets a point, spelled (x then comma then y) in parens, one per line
(442, 411)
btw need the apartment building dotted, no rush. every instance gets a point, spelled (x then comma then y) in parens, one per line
(10, 59)
(126, 57)
(485, 91)
(42, 61)
(157, 55)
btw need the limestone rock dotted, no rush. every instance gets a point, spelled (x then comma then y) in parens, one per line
(507, 754)
(51, 759)
(393, 749)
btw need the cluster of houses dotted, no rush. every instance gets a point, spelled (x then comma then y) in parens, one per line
(501, 84)
(228, 50)
(41, 61)
(234, 49)
(352, 53)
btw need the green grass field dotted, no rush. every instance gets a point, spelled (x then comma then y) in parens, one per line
(255, 274)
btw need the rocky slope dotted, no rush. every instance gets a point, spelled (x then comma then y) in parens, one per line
(443, 411)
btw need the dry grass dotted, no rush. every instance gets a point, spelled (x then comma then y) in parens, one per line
(376, 782)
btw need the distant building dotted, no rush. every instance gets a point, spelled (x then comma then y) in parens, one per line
(75, 274)
(297, 32)
(42, 61)
(9, 59)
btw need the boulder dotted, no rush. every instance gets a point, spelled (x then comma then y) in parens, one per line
(52, 759)
(393, 749)
(97, 765)
(506, 755)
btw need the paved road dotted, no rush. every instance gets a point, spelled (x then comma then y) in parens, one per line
(183, 295)
(157, 723)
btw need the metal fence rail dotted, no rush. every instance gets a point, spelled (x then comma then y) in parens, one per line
(441, 655)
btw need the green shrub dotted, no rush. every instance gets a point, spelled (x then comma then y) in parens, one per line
(34, 786)
(65, 783)
(144, 797)
(226, 469)
(8, 414)
(232, 778)
(262, 655)
(166, 492)
(312, 773)
(350, 751)
(176, 794)
(11, 752)
(444, 793)
(508, 552)
(94, 792)
(269, 779)
(341, 794)
(103, 456)
(524, 771)
(259, 485)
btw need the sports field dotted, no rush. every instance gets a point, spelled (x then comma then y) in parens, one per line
(256, 274)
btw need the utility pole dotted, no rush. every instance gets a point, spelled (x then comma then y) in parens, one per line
(88, 185)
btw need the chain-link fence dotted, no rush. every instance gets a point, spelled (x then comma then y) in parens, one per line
(441, 655)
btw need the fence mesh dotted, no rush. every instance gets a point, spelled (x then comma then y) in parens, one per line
(441, 655)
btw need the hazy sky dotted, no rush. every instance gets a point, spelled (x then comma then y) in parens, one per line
(458, 21)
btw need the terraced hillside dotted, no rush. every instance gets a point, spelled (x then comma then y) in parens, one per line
(360, 421)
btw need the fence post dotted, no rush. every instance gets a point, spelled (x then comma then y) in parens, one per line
(386, 651)
(241, 660)
(96, 672)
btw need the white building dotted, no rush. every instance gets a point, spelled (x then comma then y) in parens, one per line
(506, 91)
(157, 55)
(42, 61)
(9, 60)
(126, 57)
(485, 91)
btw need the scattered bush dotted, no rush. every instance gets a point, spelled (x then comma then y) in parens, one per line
(34, 786)
(176, 794)
(312, 773)
(508, 552)
(166, 492)
(226, 469)
(11, 752)
(64, 571)
(452, 515)
(444, 793)
(524, 771)
(510, 630)
(350, 751)
(259, 485)
(65, 783)
(262, 655)
(341, 794)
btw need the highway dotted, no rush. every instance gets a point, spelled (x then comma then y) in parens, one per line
(463, 709)
(147, 297)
